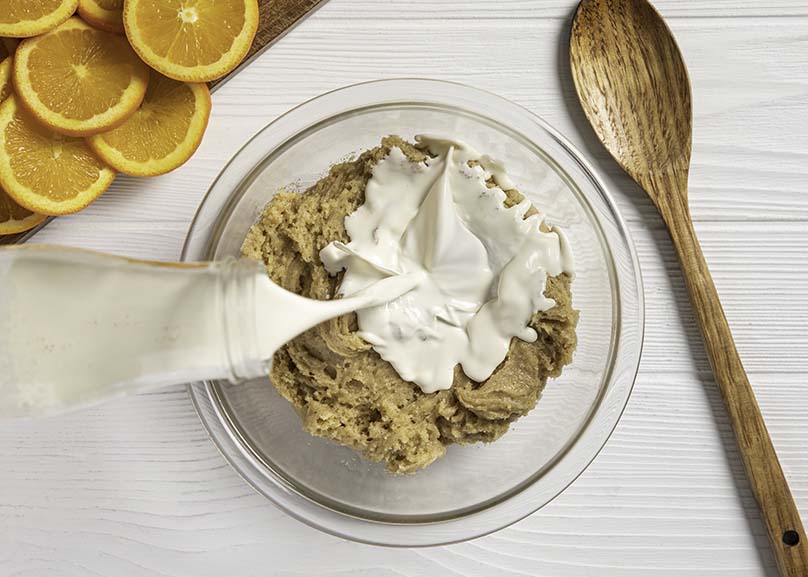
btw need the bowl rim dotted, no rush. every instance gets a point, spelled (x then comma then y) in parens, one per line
(501, 513)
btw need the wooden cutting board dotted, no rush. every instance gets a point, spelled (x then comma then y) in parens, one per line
(276, 19)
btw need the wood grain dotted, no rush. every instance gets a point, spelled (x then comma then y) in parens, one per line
(276, 18)
(635, 91)
(556, 9)
(136, 488)
(749, 102)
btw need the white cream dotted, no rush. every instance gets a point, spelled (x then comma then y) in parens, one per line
(484, 266)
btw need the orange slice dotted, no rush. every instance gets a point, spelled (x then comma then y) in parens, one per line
(24, 18)
(103, 14)
(14, 218)
(191, 40)
(7, 47)
(43, 171)
(163, 134)
(78, 80)
(6, 86)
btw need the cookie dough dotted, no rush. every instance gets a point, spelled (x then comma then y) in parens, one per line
(339, 385)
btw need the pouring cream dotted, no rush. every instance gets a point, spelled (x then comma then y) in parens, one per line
(484, 267)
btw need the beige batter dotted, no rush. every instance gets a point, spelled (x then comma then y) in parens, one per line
(340, 386)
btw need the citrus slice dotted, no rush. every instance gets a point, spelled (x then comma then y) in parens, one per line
(14, 218)
(103, 14)
(7, 47)
(24, 18)
(6, 86)
(78, 80)
(44, 171)
(163, 134)
(191, 40)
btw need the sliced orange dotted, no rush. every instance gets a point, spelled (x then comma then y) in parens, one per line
(163, 134)
(78, 80)
(15, 219)
(6, 86)
(24, 18)
(103, 14)
(191, 40)
(44, 171)
(7, 47)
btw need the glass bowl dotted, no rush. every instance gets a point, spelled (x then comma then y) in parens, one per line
(473, 489)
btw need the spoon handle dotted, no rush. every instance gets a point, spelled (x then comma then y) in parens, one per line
(788, 539)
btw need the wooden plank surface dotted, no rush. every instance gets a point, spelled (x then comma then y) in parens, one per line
(135, 488)
(543, 9)
(751, 130)
(276, 18)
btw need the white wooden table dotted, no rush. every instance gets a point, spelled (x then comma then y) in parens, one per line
(135, 488)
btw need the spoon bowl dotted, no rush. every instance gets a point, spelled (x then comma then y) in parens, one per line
(643, 116)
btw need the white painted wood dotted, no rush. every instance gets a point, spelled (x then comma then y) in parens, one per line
(751, 141)
(508, 9)
(136, 488)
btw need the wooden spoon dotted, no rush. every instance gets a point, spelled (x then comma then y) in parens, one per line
(634, 88)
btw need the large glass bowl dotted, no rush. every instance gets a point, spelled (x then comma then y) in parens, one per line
(474, 489)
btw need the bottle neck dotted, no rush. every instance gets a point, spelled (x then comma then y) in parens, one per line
(237, 296)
